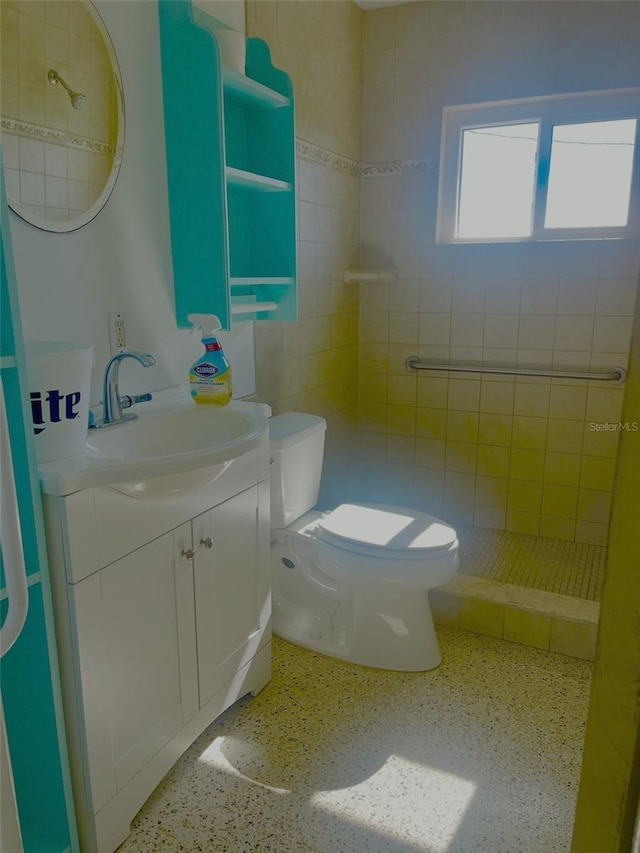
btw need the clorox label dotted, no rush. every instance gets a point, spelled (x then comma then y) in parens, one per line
(206, 369)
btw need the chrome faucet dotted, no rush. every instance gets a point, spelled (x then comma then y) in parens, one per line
(113, 404)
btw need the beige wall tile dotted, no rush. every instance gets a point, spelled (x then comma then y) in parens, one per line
(431, 423)
(577, 639)
(564, 436)
(445, 608)
(600, 439)
(524, 496)
(459, 487)
(462, 426)
(482, 617)
(529, 433)
(461, 456)
(432, 392)
(497, 397)
(523, 522)
(527, 464)
(493, 460)
(495, 429)
(491, 491)
(560, 501)
(557, 528)
(488, 516)
(531, 629)
(591, 533)
(597, 472)
(547, 303)
(604, 404)
(464, 394)
(457, 512)
(430, 453)
(402, 391)
(531, 399)
(594, 505)
(401, 420)
(567, 402)
(373, 388)
(563, 469)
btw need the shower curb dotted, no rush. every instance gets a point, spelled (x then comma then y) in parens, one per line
(544, 620)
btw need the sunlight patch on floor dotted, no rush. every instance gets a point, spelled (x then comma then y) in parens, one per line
(429, 811)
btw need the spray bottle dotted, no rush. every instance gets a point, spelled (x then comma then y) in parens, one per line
(210, 375)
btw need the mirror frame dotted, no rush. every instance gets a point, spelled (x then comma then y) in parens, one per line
(68, 225)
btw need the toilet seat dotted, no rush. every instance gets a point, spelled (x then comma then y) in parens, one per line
(384, 530)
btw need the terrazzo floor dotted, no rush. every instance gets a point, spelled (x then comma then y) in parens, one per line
(481, 755)
(553, 565)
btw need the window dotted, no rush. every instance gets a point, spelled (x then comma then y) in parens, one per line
(565, 167)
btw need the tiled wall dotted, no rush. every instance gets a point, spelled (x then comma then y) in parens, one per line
(319, 45)
(57, 158)
(312, 365)
(520, 454)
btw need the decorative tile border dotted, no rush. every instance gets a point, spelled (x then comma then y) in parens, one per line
(59, 137)
(397, 167)
(316, 154)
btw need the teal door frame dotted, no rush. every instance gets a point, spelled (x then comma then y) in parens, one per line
(29, 678)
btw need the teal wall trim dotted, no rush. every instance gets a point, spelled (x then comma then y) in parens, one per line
(29, 678)
(28, 699)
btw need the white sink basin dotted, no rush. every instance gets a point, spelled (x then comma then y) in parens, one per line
(172, 446)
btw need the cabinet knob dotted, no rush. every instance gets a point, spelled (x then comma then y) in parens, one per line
(188, 553)
(208, 542)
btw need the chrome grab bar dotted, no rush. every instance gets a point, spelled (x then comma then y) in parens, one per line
(615, 375)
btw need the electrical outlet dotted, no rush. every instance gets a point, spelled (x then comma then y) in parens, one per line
(117, 332)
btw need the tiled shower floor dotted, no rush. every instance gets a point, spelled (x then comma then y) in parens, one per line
(553, 565)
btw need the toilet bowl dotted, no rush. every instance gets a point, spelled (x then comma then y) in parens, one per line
(353, 582)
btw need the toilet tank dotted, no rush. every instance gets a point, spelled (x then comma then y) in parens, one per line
(296, 448)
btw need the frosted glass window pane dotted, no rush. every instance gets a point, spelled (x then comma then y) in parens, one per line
(590, 174)
(497, 181)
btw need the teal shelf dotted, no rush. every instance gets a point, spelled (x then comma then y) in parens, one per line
(260, 282)
(244, 88)
(251, 181)
(230, 145)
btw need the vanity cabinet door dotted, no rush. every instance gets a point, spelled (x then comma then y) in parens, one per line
(231, 587)
(136, 647)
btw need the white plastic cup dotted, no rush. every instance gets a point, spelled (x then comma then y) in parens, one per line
(59, 386)
(232, 49)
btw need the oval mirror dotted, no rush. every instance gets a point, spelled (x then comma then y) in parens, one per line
(62, 112)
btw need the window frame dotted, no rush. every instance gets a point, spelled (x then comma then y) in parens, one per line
(548, 111)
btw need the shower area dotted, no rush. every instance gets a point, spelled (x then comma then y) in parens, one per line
(522, 465)
(573, 569)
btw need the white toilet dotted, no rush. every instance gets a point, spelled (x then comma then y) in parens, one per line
(352, 583)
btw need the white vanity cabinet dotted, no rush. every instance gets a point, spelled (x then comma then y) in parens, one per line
(162, 614)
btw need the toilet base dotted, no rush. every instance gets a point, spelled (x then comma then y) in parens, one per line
(367, 610)
(379, 630)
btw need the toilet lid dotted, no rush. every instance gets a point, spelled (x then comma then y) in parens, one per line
(392, 529)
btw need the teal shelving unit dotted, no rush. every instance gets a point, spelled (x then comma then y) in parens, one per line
(230, 145)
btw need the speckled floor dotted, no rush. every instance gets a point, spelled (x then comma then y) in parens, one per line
(481, 755)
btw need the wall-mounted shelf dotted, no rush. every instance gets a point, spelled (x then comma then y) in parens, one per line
(244, 88)
(231, 173)
(252, 307)
(260, 282)
(371, 275)
(251, 181)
